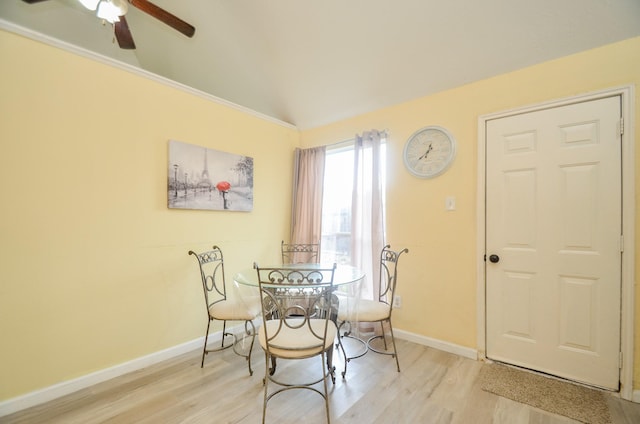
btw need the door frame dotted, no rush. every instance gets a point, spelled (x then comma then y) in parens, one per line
(628, 223)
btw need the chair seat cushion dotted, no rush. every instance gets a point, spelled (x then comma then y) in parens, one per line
(294, 343)
(236, 309)
(353, 309)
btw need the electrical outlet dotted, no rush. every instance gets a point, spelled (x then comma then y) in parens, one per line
(397, 301)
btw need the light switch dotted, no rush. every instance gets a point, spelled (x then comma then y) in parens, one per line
(450, 203)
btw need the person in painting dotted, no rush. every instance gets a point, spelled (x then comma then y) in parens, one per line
(223, 187)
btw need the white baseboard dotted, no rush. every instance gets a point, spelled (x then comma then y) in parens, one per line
(636, 396)
(46, 394)
(465, 352)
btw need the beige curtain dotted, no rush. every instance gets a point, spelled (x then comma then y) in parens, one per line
(306, 205)
(367, 214)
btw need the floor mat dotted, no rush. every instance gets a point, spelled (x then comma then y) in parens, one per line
(559, 397)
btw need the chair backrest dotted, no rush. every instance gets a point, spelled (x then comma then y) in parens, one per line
(300, 299)
(211, 265)
(298, 253)
(389, 273)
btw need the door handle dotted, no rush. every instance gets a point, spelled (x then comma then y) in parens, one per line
(494, 259)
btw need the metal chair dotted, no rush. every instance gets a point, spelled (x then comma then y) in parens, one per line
(222, 306)
(297, 253)
(353, 312)
(296, 306)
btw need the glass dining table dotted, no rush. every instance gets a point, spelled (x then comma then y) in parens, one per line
(343, 277)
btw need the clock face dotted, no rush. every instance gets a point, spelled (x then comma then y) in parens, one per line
(429, 152)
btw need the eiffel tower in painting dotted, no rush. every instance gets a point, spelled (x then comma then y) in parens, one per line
(205, 180)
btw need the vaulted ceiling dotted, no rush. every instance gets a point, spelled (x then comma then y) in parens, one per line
(311, 63)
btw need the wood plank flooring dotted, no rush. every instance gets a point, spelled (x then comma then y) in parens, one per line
(433, 387)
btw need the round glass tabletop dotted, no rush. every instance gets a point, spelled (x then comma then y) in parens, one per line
(344, 274)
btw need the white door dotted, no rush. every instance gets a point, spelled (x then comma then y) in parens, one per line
(553, 241)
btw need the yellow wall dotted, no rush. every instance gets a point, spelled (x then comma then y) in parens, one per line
(438, 281)
(94, 269)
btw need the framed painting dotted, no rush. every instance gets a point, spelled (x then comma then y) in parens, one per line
(202, 178)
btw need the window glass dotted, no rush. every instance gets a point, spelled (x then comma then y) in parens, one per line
(336, 205)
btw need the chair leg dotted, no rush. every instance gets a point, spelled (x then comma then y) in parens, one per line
(224, 333)
(383, 336)
(204, 349)
(326, 389)
(253, 338)
(341, 345)
(239, 348)
(250, 332)
(272, 370)
(393, 341)
(330, 367)
(265, 383)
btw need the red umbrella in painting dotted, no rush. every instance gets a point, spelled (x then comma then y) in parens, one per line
(223, 186)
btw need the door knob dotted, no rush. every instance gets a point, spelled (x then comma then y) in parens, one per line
(494, 258)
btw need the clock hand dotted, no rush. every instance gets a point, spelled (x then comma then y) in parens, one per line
(426, 153)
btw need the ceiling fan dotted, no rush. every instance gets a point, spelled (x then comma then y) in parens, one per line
(113, 11)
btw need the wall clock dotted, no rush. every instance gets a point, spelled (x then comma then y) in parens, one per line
(429, 152)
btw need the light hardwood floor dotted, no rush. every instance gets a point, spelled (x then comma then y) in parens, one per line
(433, 387)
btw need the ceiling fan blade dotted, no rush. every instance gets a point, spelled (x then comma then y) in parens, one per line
(123, 34)
(33, 1)
(164, 16)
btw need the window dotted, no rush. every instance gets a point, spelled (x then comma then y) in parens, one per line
(337, 200)
(336, 205)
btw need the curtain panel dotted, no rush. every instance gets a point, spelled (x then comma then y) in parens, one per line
(367, 214)
(306, 205)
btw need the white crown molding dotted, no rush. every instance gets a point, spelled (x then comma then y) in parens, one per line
(43, 38)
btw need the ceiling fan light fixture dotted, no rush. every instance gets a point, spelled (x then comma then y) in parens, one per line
(111, 10)
(90, 4)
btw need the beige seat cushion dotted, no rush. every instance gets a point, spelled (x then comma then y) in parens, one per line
(352, 309)
(292, 343)
(236, 309)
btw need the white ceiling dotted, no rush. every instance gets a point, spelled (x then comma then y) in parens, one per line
(311, 63)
